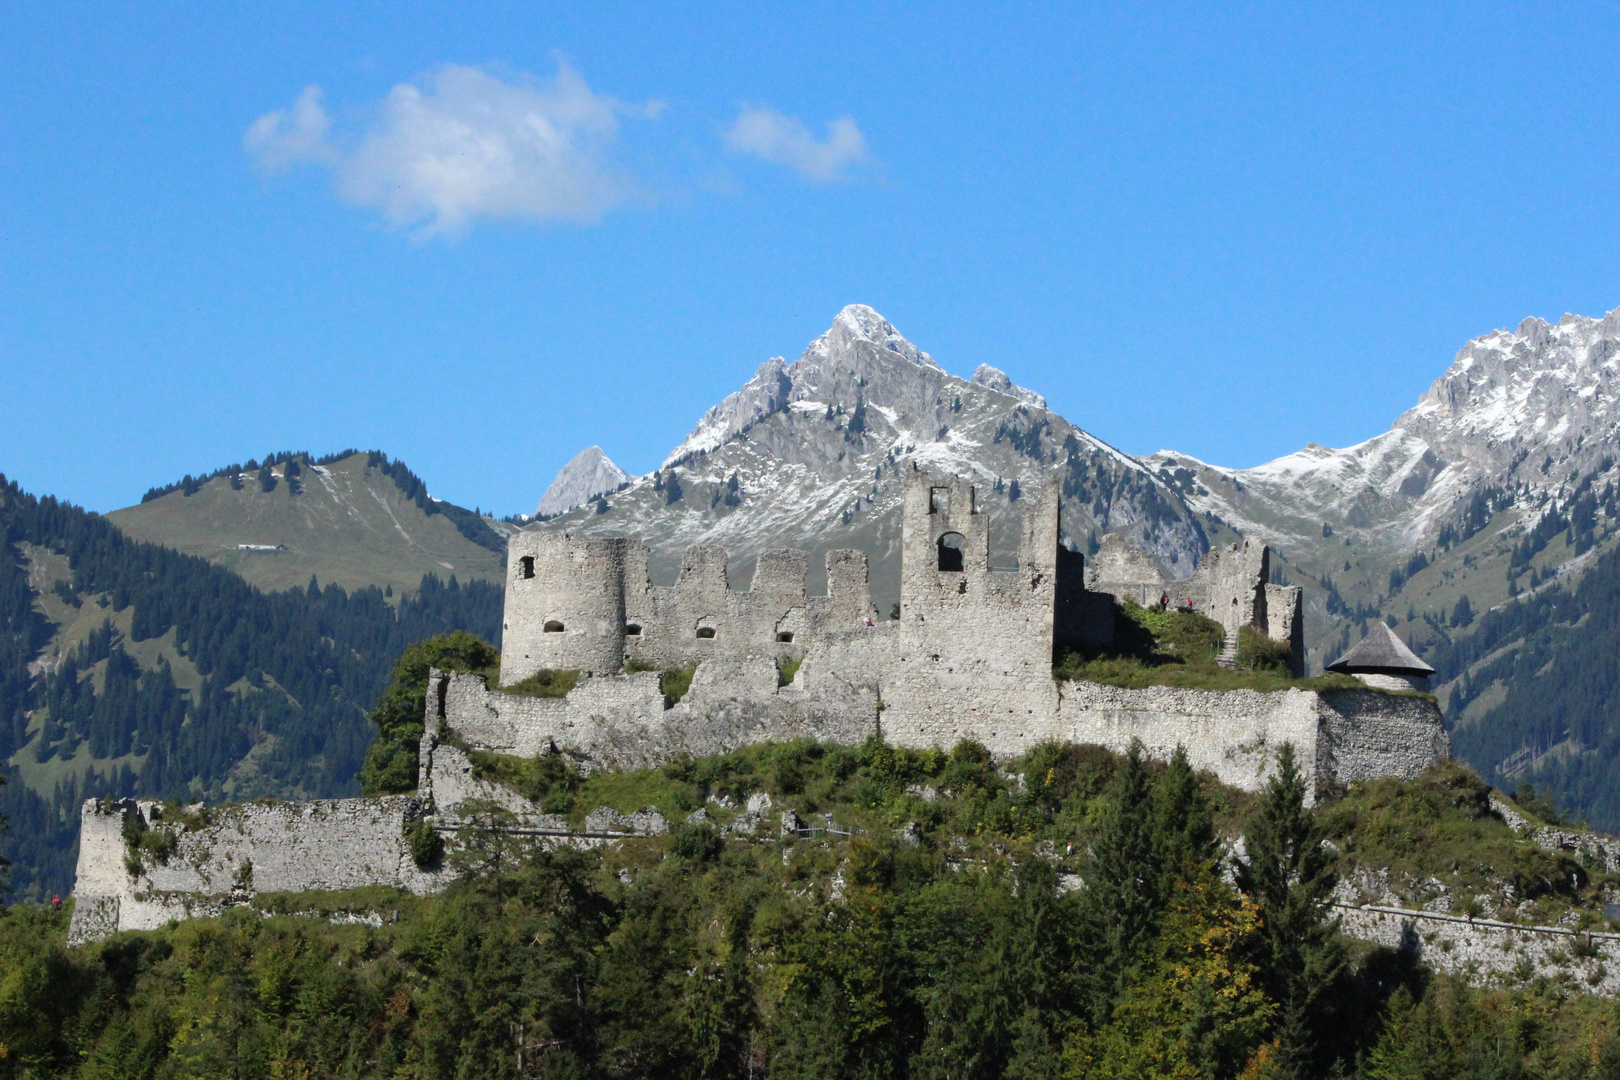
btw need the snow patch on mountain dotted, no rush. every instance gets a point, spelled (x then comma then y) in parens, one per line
(1526, 407)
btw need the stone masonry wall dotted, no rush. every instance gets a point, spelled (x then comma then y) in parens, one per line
(332, 844)
(1231, 586)
(1368, 734)
(619, 722)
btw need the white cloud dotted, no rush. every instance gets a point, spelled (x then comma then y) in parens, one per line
(462, 145)
(281, 139)
(783, 140)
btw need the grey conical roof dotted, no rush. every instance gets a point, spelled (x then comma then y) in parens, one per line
(1381, 651)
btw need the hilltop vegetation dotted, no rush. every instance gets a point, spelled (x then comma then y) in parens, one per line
(180, 679)
(955, 946)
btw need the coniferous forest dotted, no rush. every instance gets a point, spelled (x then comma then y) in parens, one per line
(1552, 653)
(288, 676)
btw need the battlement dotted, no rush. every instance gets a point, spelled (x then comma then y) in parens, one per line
(588, 604)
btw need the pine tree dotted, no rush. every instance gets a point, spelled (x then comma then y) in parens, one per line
(1185, 831)
(1120, 905)
(1289, 876)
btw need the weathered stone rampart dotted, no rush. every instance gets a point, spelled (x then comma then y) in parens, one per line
(332, 844)
(620, 722)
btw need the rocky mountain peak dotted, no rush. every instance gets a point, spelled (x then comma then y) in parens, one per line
(992, 378)
(859, 323)
(813, 455)
(588, 475)
(861, 357)
(1542, 388)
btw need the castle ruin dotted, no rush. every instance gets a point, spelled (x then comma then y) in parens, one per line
(970, 656)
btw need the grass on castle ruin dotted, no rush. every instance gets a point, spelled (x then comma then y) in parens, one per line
(1054, 792)
(1179, 648)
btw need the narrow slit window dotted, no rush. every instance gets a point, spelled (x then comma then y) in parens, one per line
(553, 627)
(527, 565)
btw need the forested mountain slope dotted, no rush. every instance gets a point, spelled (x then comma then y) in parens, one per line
(352, 519)
(129, 668)
(1535, 693)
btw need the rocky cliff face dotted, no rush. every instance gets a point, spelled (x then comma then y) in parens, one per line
(588, 475)
(811, 455)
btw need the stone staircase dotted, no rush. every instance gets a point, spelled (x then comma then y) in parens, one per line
(1227, 657)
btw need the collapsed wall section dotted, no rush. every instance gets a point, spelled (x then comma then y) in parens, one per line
(1231, 586)
(240, 851)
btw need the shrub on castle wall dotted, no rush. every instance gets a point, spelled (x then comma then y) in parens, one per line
(545, 683)
(676, 682)
(1260, 653)
(547, 780)
(425, 844)
(391, 763)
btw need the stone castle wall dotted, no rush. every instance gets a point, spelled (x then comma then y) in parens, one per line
(331, 844)
(1489, 953)
(1340, 736)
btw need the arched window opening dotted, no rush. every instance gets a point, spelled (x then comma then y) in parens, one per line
(785, 637)
(553, 627)
(951, 548)
(527, 563)
(705, 632)
(632, 630)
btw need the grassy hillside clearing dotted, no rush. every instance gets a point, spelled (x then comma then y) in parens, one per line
(346, 523)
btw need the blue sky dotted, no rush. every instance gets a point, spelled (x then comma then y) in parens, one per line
(493, 235)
